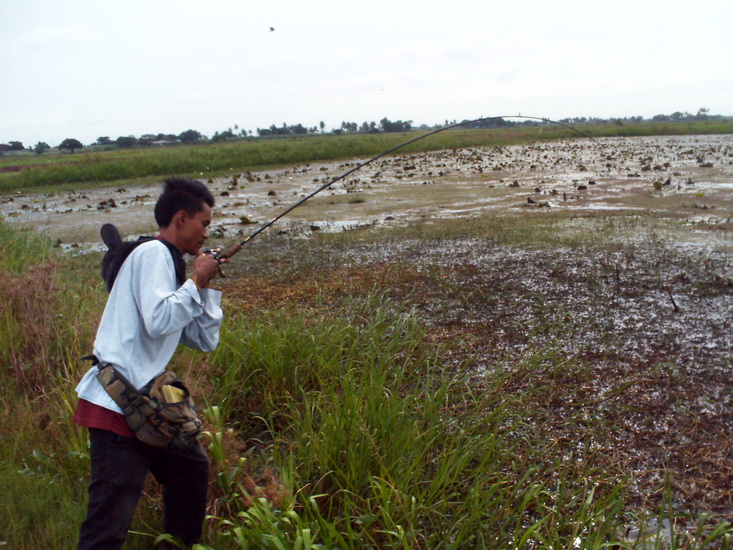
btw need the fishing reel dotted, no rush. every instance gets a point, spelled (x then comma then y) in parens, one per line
(218, 255)
(215, 252)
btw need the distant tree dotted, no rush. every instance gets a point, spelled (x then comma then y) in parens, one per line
(104, 140)
(189, 136)
(71, 145)
(397, 126)
(223, 136)
(368, 127)
(322, 125)
(15, 146)
(146, 140)
(497, 123)
(126, 142)
(40, 147)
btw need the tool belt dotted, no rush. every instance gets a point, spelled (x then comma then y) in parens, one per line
(161, 414)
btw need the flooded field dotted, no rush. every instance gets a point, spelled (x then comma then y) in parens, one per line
(640, 304)
(689, 178)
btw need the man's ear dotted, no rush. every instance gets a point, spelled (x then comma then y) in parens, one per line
(179, 218)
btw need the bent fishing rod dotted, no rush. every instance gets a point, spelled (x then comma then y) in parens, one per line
(232, 250)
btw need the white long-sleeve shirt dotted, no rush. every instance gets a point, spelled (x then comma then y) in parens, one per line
(145, 318)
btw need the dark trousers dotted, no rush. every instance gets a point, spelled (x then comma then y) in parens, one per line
(119, 467)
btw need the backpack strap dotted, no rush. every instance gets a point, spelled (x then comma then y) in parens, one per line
(118, 251)
(178, 262)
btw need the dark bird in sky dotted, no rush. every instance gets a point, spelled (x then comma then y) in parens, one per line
(272, 29)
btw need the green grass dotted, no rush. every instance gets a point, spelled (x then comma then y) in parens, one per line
(27, 499)
(19, 249)
(383, 447)
(63, 171)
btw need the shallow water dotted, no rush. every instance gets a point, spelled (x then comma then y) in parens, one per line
(692, 174)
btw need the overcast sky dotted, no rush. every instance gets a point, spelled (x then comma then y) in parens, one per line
(91, 68)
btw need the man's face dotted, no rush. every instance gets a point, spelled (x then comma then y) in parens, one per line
(194, 231)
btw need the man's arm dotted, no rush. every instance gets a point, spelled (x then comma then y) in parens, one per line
(163, 308)
(202, 332)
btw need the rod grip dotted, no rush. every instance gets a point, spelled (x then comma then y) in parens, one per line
(232, 250)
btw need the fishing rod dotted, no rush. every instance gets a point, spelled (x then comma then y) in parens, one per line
(232, 250)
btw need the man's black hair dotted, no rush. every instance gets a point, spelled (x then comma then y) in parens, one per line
(181, 194)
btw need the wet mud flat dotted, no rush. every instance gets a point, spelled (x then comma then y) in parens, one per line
(640, 338)
(622, 292)
(684, 177)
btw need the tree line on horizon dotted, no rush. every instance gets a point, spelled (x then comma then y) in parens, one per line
(384, 126)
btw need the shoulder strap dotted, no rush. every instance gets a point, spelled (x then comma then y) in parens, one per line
(178, 261)
(118, 251)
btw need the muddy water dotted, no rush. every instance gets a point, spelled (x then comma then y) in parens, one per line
(688, 178)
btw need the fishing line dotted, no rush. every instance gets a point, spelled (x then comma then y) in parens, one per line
(231, 251)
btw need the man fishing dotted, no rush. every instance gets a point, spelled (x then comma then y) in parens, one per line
(152, 307)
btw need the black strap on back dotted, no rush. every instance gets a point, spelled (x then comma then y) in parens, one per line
(118, 251)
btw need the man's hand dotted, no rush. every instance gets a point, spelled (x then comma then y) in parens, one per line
(205, 268)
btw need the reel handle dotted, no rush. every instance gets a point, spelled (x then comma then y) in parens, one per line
(219, 255)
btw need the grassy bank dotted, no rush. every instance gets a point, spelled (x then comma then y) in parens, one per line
(205, 160)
